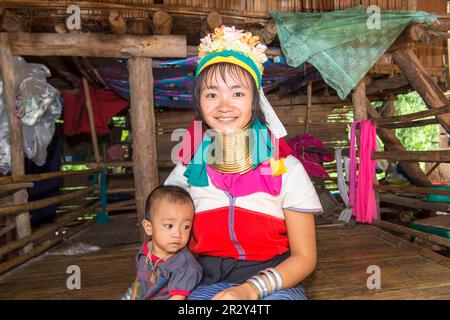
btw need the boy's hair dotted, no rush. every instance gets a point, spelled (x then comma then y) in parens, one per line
(171, 193)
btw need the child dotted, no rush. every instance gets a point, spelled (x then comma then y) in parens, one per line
(165, 267)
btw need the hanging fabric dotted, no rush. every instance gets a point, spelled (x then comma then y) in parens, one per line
(362, 196)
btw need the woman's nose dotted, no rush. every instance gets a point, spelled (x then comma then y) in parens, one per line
(224, 105)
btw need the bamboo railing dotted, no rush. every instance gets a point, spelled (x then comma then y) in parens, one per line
(42, 238)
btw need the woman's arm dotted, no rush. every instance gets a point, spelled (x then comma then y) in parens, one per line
(301, 232)
(177, 297)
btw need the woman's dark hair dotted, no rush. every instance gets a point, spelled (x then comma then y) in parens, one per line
(204, 78)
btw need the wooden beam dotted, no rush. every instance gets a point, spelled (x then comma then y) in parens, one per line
(97, 45)
(145, 167)
(162, 23)
(414, 156)
(414, 203)
(419, 79)
(426, 236)
(392, 82)
(11, 22)
(117, 23)
(412, 116)
(409, 189)
(23, 226)
(392, 143)
(409, 124)
(212, 20)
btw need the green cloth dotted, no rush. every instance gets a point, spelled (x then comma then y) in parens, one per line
(339, 44)
(262, 150)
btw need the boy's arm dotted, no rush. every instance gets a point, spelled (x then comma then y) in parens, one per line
(177, 297)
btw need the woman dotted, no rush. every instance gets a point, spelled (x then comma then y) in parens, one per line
(254, 230)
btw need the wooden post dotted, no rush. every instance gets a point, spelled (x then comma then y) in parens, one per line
(360, 113)
(418, 77)
(23, 227)
(145, 168)
(87, 93)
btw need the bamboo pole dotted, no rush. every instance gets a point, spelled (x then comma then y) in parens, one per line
(16, 186)
(87, 94)
(45, 176)
(6, 229)
(308, 106)
(68, 217)
(23, 226)
(97, 165)
(32, 205)
(41, 248)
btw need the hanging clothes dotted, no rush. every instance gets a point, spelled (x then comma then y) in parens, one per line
(362, 196)
(105, 104)
(310, 160)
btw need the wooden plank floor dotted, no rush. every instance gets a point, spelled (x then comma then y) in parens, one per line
(343, 257)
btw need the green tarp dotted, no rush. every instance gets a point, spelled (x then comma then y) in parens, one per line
(342, 45)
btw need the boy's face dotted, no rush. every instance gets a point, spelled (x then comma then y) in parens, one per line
(170, 226)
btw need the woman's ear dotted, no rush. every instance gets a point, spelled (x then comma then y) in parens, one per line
(147, 225)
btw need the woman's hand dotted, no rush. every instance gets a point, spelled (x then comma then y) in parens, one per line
(242, 292)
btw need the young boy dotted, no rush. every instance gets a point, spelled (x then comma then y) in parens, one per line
(165, 267)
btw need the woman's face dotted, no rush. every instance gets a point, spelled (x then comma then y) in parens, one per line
(226, 106)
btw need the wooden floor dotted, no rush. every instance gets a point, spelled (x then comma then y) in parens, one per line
(344, 255)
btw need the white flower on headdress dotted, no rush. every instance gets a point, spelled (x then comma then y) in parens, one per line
(230, 38)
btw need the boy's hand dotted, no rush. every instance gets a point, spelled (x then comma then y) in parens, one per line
(242, 292)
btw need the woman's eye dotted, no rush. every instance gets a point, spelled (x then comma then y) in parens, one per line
(239, 94)
(211, 95)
